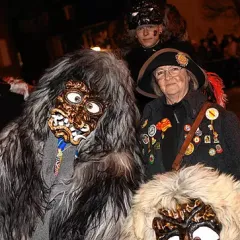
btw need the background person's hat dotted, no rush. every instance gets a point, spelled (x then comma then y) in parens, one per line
(145, 12)
(164, 57)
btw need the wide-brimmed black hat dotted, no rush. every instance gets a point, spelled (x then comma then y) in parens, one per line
(166, 57)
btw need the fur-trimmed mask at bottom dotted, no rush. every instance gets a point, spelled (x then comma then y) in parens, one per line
(191, 221)
(76, 113)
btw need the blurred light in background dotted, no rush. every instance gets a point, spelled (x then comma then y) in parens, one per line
(96, 48)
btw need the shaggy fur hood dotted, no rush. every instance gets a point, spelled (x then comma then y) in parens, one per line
(107, 170)
(220, 191)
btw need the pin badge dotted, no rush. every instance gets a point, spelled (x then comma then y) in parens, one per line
(196, 139)
(198, 132)
(153, 140)
(145, 138)
(187, 127)
(182, 59)
(157, 145)
(151, 159)
(210, 126)
(212, 151)
(190, 149)
(215, 134)
(145, 123)
(207, 139)
(152, 130)
(212, 113)
(219, 148)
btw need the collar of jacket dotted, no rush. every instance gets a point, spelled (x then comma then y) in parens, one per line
(152, 49)
(192, 102)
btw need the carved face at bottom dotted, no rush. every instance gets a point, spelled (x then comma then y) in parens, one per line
(191, 221)
(76, 113)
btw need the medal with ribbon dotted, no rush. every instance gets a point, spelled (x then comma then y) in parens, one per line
(61, 145)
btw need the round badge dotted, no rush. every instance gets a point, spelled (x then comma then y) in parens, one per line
(187, 127)
(212, 113)
(145, 138)
(152, 130)
(190, 149)
(151, 159)
(196, 139)
(212, 151)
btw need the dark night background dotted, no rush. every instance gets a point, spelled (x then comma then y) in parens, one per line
(89, 12)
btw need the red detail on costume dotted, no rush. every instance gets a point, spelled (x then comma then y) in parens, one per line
(218, 86)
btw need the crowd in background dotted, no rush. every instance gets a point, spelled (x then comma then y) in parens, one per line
(220, 56)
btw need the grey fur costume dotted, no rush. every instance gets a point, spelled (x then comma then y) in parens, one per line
(95, 200)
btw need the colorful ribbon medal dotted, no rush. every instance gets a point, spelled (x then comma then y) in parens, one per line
(59, 157)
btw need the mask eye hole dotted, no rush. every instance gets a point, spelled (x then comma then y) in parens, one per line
(174, 238)
(205, 233)
(93, 107)
(74, 97)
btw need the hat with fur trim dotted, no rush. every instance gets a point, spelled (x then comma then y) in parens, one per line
(167, 57)
(145, 12)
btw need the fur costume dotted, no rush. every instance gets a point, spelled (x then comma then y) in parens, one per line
(164, 194)
(94, 201)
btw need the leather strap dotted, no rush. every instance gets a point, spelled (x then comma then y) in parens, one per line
(178, 160)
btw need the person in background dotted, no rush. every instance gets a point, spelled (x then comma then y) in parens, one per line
(231, 61)
(204, 53)
(179, 85)
(11, 102)
(154, 27)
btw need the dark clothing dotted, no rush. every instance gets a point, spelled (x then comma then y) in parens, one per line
(139, 55)
(11, 104)
(135, 59)
(216, 142)
(176, 114)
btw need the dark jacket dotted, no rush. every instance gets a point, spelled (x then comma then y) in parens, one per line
(222, 152)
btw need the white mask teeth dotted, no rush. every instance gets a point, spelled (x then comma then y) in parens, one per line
(61, 123)
(76, 138)
(72, 129)
(59, 120)
(59, 117)
(74, 134)
(85, 128)
(55, 122)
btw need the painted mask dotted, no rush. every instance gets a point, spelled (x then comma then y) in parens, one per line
(192, 221)
(76, 113)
